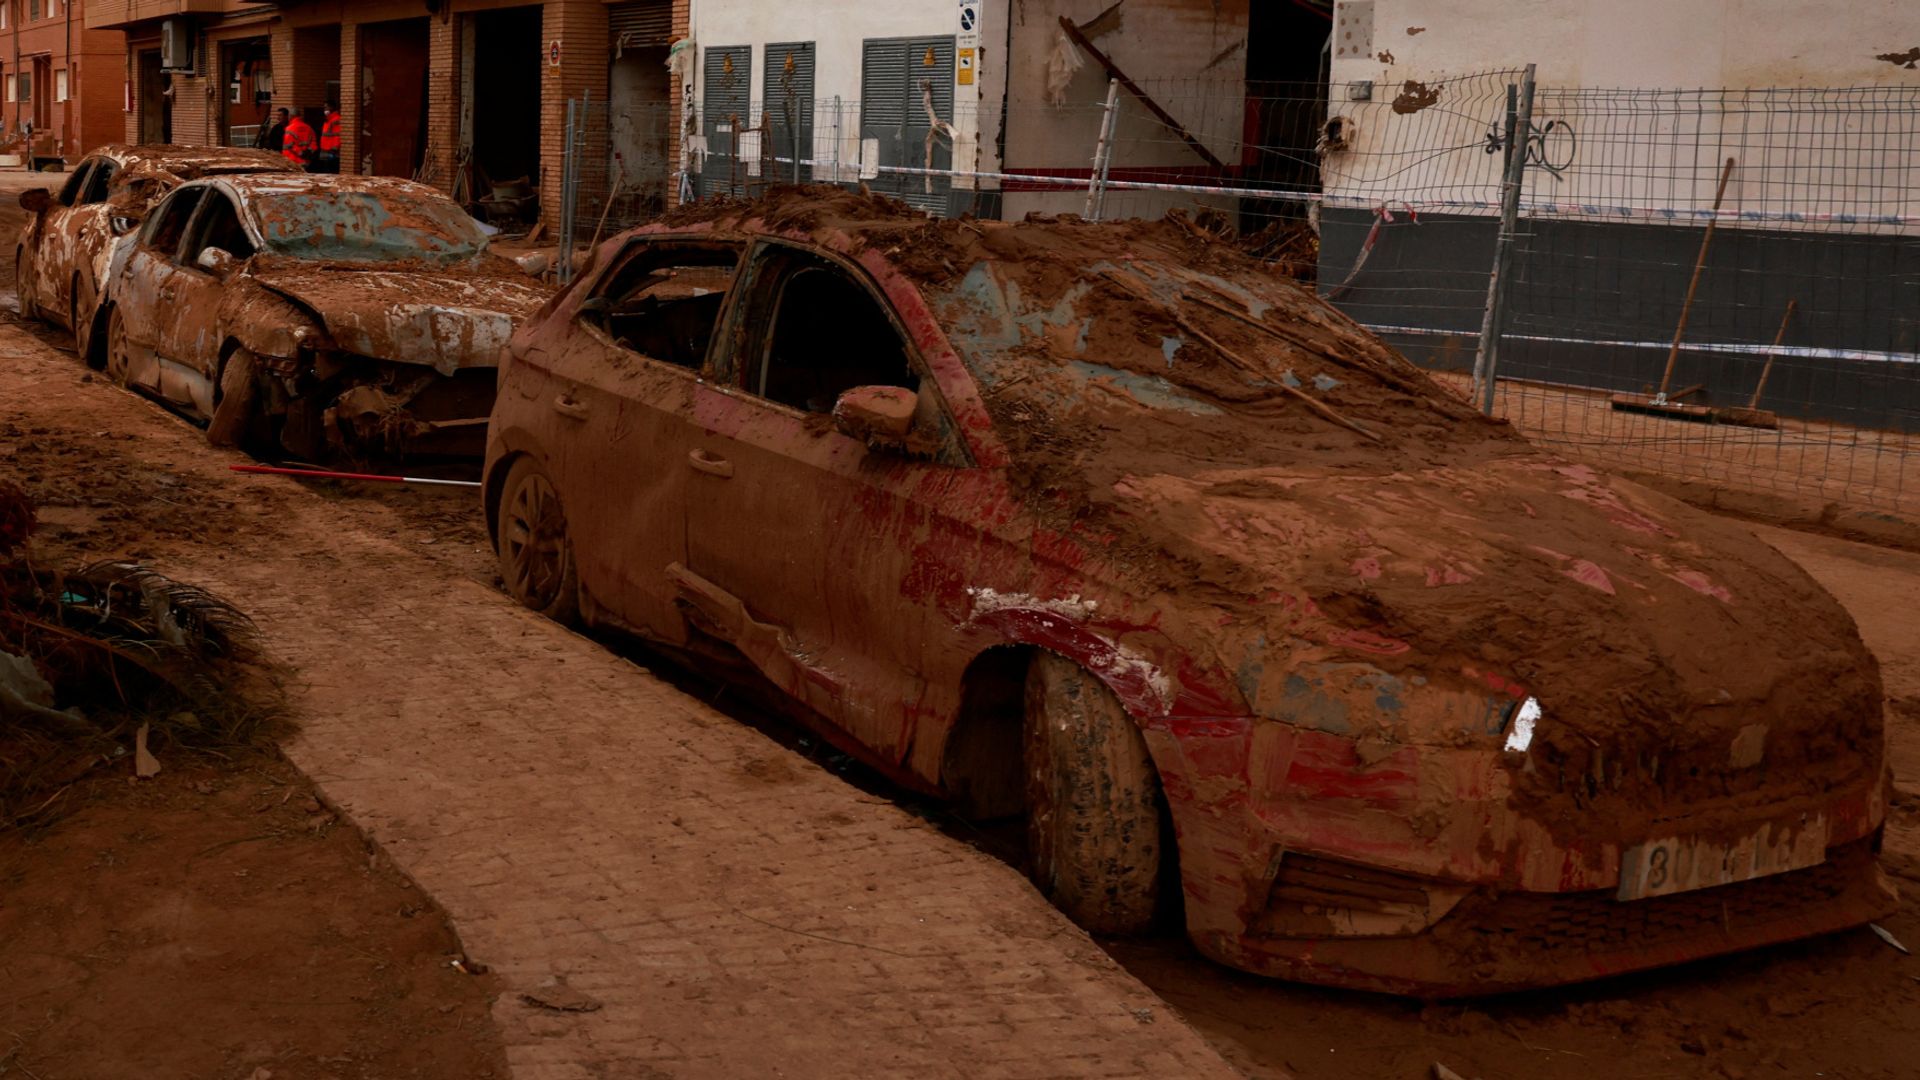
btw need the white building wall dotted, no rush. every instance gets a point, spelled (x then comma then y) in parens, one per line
(838, 29)
(1643, 43)
(1189, 54)
(1821, 154)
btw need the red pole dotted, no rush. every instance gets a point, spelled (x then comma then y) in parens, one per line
(322, 474)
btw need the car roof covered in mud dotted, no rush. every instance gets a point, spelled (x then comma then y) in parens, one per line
(1153, 346)
(254, 185)
(190, 162)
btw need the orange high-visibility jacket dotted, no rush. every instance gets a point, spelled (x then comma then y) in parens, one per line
(330, 132)
(299, 144)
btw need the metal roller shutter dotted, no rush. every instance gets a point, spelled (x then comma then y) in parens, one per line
(726, 106)
(893, 112)
(640, 24)
(786, 100)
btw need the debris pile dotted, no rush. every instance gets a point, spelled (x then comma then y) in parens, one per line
(107, 662)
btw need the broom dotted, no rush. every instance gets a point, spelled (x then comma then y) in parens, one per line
(1660, 404)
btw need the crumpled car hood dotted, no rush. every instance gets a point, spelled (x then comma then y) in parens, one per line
(439, 318)
(1637, 621)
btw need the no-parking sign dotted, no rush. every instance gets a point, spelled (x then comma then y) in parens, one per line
(969, 32)
(553, 53)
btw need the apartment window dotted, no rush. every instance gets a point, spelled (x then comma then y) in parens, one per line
(21, 89)
(33, 10)
(60, 85)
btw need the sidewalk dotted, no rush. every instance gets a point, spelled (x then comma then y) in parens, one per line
(729, 908)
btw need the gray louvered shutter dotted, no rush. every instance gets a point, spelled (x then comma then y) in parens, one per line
(726, 102)
(893, 111)
(641, 24)
(786, 101)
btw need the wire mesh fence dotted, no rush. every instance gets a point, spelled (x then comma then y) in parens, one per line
(1796, 322)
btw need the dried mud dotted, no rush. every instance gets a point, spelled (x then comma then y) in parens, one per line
(1224, 440)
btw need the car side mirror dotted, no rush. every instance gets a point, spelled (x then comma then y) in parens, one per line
(36, 200)
(876, 415)
(216, 261)
(122, 224)
(595, 305)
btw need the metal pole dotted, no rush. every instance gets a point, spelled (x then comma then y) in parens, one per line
(1106, 162)
(1095, 174)
(836, 138)
(563, 271)
(1519, 129)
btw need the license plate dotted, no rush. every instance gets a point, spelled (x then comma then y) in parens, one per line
(1682, 864)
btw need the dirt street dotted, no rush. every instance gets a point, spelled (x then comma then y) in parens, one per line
(557, 844)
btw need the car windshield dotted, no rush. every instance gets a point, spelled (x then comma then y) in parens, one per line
(358, 226)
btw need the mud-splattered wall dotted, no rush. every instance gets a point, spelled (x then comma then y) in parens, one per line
(1190, 54)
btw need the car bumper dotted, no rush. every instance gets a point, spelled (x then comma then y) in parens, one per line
(1492, 943)
(1419, 871)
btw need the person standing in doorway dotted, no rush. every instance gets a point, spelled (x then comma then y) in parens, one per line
(274, 136)
(328, 160)
(299, 144)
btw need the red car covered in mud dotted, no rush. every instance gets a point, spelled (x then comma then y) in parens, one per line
(326, 315)
(1111, 528)
(60, 259)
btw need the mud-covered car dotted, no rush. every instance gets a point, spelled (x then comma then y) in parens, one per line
(1107, 527)
(62, 253)
(325, 315)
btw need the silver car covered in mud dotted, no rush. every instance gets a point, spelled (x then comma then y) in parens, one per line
(326, 316)
(61, 257)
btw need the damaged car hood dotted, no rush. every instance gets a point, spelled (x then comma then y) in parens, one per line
(443, 318)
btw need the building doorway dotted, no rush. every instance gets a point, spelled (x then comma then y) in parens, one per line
(152, 100)
(503, 83)
(1286, 106)
(246, 91)
(393, 97)
(641, 118)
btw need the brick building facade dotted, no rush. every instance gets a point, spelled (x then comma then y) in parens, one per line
(60, 79)
(458, 93)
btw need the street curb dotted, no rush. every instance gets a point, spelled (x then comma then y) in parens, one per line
(1881, 527)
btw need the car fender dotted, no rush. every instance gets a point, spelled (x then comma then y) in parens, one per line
(265, 322)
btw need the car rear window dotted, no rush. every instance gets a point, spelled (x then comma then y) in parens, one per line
(355, 226)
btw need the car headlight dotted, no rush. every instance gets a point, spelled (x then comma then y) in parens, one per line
(1521, 734)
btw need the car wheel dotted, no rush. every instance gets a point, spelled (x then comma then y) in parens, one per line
(81, 311)
(1093, 801)
(233, 404)
(536, 557)
(119, 359)
(22, 294)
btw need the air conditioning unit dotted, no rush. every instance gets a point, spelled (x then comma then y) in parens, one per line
(176, 45)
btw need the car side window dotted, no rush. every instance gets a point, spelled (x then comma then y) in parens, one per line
(76, 185)
(165, 229)
(664, 300)
(217, 225)
(828, 335)
(98, 182)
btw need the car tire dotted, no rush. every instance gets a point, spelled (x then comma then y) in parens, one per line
(22, 295)
(1094, 840)
(119, 362)
(535, 553)
(81, 309)
(233, 402)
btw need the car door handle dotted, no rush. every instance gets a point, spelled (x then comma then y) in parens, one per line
(707, 463)
(567, 407)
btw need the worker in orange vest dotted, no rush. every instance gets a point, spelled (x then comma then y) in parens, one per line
(298, 144)
(329, 159)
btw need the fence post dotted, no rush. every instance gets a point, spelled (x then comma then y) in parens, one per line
(1519, 131)
(569, 162)
(836, 139)
(1096, 176)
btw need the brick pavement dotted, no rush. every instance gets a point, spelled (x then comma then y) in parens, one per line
(736, 910)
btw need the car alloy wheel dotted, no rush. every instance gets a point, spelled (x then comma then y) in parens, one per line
(536, 559)
(119, 362)
(1094, 843)
(81, 311)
